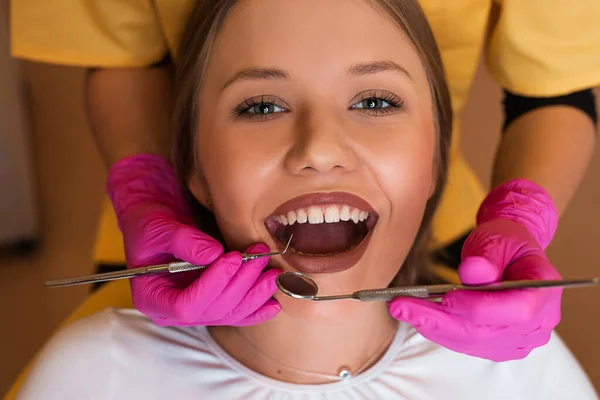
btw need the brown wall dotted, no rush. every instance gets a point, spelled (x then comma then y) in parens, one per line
(70, 181)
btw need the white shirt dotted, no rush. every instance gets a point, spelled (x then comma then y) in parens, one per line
(120, 354)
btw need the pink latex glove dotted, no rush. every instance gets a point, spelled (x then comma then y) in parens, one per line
(515, 224)
(157, 228)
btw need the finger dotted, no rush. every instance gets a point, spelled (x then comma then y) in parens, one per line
(494, 243)
(189, 244)
(532, 267)
(260, 294)
(244, 279)
(497, 241)
(515, 348)
(265, 313)
(202, 292)
(519, 306)
(430, 319)
(495, 308)
(154, 296)
(477, 270)
(509, 307)
(501, 353)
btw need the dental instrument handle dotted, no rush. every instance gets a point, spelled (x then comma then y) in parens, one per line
(391, 293)
(183, 266)
(173, 268)
(433, 291)
(438, 290)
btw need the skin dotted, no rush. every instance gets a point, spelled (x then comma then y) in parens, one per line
(551, 146)
(248, 167)
(130, 110)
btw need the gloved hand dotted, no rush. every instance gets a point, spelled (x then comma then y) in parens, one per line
(157, 228)
(515, 224)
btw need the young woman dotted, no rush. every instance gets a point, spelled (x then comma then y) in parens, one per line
(329, 121)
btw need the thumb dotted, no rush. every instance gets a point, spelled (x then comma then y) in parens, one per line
(477, 270)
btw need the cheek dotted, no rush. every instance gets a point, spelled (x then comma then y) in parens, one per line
(402, 162)
(405, 173)
(236, 172)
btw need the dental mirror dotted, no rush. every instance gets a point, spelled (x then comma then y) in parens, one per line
(300, 286)
(297, 285)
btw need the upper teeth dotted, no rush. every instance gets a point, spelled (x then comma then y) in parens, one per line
(319, 214)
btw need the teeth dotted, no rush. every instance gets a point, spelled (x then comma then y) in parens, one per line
(345, 213)
(331, 213)
(315, 215)
(291, 217)
(301, 216)
(355, 215)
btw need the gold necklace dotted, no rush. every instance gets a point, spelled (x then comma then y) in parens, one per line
(344, 373)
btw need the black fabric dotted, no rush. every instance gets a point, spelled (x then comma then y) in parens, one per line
(516, 105)
(166, 60)
(102, 268)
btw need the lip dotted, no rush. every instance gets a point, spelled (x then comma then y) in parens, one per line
(319, 199)
(326, 264)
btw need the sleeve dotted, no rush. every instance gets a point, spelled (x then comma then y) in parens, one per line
(545, 48)
(88, 33)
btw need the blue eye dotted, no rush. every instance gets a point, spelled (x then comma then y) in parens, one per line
(261, 108)
(264, 109)
(372, 103)
(376, 102)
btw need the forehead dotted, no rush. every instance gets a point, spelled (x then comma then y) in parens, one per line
(314, 38)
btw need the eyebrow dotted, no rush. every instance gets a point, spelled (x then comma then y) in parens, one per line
(376, 67)
(362, 69)
(256, 74)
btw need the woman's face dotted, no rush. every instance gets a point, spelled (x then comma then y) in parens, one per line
(316, 120)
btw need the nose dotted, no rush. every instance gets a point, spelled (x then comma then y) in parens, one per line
(321, 146)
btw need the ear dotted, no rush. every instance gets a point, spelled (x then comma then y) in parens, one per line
(199, 188)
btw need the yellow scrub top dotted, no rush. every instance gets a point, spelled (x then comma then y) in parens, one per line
(535, 48)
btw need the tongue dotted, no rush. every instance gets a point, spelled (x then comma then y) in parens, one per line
(323, 238)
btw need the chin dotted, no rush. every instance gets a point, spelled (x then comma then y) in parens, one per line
(327, 312)
(361, 276)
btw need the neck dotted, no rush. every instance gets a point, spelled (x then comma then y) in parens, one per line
(355, 342)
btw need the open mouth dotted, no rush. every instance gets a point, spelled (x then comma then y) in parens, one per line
(330, 230)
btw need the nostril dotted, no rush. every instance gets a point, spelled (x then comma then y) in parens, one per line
(323, 169)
